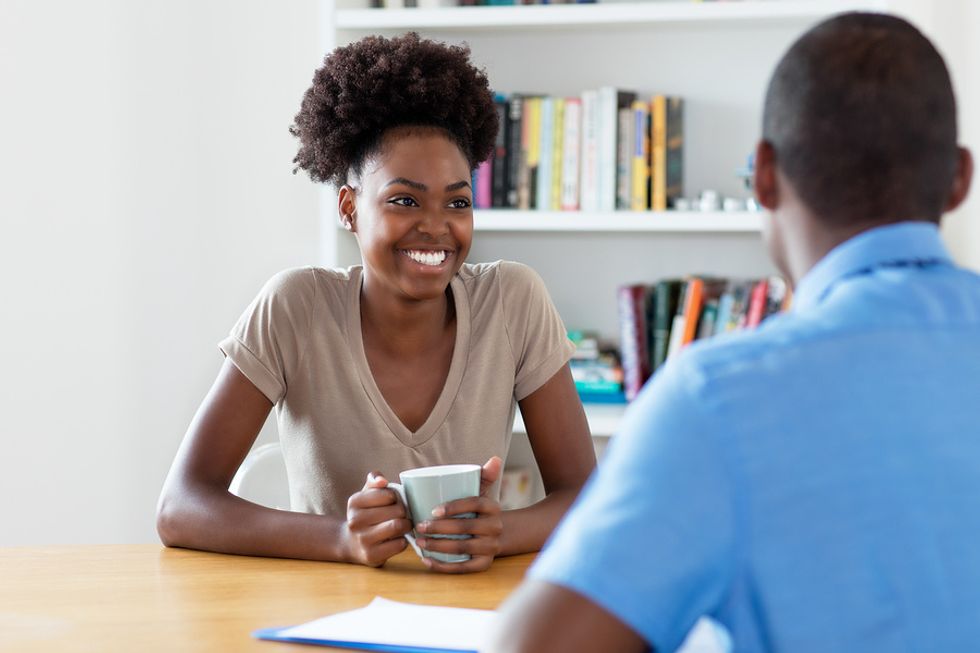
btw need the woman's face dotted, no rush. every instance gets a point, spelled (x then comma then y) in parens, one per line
(412, 215)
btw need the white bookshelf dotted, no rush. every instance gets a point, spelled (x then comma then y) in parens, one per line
(717, 55)
(603, 419)
(618, 221)
(590, 16)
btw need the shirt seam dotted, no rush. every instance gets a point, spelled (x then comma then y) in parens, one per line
(258, 360)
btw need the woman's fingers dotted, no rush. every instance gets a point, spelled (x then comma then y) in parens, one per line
(362, 518)
(474, 564)
(479, 505)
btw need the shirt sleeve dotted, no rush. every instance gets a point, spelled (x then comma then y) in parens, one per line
(651, 537)
(269, 339)
(538, 339)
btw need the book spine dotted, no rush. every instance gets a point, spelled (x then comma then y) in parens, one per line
(640, 186)
(483, 198)
(633, 338)
(677, 323)
(515, 156)
(674, 154)
(624, 159)
(606, 190)
(757, 304)
(546, 140)
(500, 175)
(665, 307)
(692, 309)
(571, 147)
(533, 152)
(658, 145)
(589, 179)
(557, 154)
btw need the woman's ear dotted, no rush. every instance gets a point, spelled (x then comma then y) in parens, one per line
(347, 207)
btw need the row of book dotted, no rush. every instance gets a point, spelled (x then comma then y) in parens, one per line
(605, 150)
(425, 4)
(658, 320)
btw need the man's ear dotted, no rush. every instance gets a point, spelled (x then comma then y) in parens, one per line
(764, 176)
(347, 207)
(961, 180)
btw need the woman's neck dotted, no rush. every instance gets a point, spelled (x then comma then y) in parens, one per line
(405, 327)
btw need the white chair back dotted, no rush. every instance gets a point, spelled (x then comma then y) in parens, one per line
(262, 479)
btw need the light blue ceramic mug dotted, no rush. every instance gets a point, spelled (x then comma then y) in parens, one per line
(424, 488)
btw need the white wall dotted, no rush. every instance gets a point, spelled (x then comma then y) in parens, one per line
(146, 192)
(954, 26)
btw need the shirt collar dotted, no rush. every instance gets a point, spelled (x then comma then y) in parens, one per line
(895, 244)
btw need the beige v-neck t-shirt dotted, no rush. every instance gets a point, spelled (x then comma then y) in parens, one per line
(300, 343)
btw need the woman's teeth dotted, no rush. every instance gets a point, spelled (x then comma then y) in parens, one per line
(426, 258)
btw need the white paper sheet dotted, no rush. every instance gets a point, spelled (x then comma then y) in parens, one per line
(402, 624)
(391, 623)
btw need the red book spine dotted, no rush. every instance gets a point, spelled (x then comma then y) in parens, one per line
(634, 336)
(757, 304)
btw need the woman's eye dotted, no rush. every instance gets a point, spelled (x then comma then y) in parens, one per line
(403, 201)
(460, 203)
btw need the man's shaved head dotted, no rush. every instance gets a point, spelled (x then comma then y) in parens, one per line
(861, 115)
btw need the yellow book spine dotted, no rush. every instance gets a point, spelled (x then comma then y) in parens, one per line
(640, 186)
(658, 137)
(557, 154)
(534, 142)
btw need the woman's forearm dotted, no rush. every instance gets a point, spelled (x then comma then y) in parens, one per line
(525, 530)
(212, 519)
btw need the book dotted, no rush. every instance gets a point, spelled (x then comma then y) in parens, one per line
(482, 194)
(667, 147)
(633, 345)
(757, 303)
(558, 153)
(499, 176)
(608, 103)
(640, 186)
(665, 299)
(545, 152)
(531, 146)
(571, 147)
(624, 159)
(674, 155)
(515, 152)
(658, 156)
(589, 155)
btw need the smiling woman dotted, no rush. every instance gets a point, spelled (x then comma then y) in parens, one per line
(412, 359)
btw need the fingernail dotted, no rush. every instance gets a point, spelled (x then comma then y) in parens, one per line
(422, 527)
(438, 511)
(421, 542)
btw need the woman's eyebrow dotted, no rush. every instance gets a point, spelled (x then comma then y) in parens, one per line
(417, 185)
(457, 186)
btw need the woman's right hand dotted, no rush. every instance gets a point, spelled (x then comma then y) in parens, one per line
(376, 523)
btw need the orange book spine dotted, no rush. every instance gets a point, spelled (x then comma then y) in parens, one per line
(692, 309)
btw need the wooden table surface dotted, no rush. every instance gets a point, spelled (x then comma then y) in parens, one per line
(149, 598)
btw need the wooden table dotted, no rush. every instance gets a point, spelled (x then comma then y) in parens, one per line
(149, 598)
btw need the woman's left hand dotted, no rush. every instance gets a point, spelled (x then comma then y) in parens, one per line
(484, 529)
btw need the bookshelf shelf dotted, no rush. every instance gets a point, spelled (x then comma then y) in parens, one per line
(619, 221)
(604, 419)
(592, 15)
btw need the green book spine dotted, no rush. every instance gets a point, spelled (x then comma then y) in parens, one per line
(665, 307)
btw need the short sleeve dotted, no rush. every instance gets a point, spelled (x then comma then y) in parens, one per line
(651, 537)
(268, 341)
(537, 335)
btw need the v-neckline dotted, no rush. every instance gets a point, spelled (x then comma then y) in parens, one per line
(440, 411)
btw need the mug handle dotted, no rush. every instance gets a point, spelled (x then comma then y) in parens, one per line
(400, 489)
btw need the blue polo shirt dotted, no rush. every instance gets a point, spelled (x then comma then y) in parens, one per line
(813, 485)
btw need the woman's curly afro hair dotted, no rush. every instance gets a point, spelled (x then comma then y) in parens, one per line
(371, 86)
